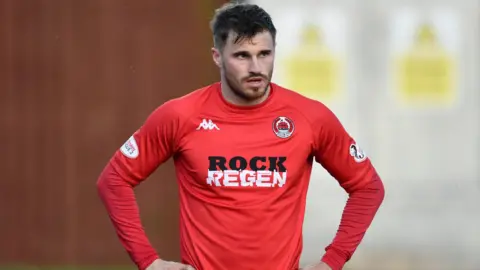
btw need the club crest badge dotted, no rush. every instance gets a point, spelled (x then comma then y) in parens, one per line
(283, 127)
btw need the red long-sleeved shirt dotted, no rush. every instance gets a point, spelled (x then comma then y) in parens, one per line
(243, 174)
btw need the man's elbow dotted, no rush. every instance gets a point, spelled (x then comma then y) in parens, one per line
(375, 189)
(381, 189)
(103, 180)
(109, 179)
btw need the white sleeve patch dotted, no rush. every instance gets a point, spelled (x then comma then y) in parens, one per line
(130, 148)
(357, 153)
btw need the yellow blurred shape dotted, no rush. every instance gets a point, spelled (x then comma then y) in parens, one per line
(426, 73)
(312, 69)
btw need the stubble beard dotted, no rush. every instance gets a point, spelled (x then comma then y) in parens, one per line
(246, 95)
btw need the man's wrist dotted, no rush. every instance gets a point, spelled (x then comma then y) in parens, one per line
(143, 264)
(334, 258)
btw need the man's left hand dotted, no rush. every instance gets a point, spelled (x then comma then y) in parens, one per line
(320, 266)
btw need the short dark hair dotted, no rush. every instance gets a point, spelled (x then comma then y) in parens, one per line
(245, 20)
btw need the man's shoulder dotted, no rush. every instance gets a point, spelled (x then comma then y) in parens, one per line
(193, 98)
(185, 105)
(301, 102)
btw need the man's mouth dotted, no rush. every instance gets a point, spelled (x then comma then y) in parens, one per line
(255, 79)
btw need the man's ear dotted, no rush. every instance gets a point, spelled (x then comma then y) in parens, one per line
(217, 57)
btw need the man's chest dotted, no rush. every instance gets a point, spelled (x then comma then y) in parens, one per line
(257, 151)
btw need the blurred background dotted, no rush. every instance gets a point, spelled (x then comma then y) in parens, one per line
(78, 77)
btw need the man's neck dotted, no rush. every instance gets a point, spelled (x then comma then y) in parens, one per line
(235, 99)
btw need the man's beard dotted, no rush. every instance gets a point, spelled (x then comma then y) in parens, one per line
(250, 94)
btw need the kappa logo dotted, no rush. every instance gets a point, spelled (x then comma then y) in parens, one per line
(130, 148)
(207, 125)
(283, 127)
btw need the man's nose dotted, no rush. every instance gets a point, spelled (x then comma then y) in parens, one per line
(254, 66)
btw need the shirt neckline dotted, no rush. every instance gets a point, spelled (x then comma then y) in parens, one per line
(244, 108)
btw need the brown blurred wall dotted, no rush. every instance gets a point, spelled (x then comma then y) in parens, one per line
(76, 79)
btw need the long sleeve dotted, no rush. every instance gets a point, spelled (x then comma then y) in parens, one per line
(119, 199)
(357, 217)
(343, 158)
(150, 146)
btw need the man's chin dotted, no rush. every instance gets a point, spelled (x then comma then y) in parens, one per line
(254, 93)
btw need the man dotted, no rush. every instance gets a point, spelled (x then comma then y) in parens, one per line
(243, 150)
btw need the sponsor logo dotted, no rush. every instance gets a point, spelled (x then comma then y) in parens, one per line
(207, 125)
(259, 171)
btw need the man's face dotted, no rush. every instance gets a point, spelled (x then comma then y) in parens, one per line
(247, 65)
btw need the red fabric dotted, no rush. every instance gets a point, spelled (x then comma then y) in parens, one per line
(243, 174)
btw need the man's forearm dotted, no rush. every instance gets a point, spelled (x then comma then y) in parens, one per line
(119, 199)
(358, 214)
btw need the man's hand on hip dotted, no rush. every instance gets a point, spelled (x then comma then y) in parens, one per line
(167, 265)
(319, 266)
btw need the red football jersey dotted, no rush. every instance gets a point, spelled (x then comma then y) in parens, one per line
(243, 174)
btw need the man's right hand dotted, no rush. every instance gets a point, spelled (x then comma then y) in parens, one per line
(166, 265)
